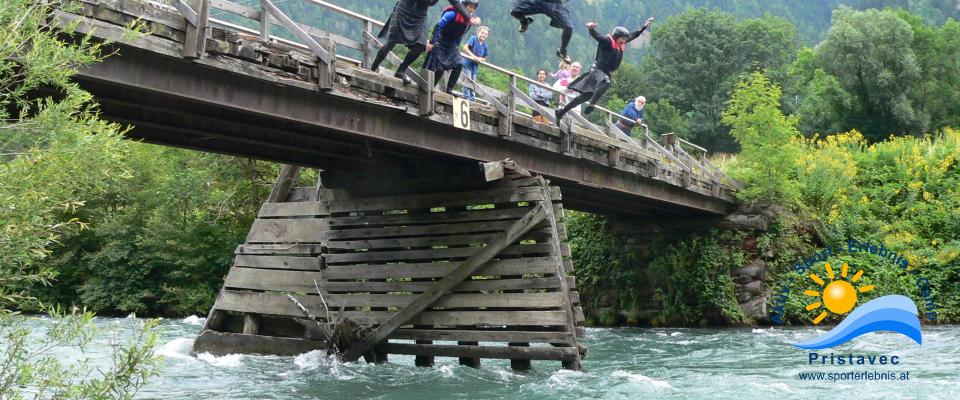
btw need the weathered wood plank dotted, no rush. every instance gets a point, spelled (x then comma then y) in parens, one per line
(286, 180)
(277, 262)
(530, 265)
(510, 195)
(287, 230)
(481, 335)
(400, 243)
(528, 353)
(432, 254)
(276, 249)
(294, 209)
(495, 214)
(302, 282)
(461, 273)
(438, 229)
(278, 304)
(223, 343)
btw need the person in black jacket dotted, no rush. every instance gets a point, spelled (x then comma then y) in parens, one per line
(407, 26)
(445, 43)
(592, 85)
(559, 18)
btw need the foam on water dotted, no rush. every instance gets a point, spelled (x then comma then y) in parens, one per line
(179, 348)
(776, 386)
(643, 380)
(194, 320)
(229, 360)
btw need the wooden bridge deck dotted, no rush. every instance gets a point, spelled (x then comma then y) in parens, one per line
(210, 85)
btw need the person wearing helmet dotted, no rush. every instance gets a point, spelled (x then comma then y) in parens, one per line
(592, 85)
(445, 43)
(407, 26)
(559, 18)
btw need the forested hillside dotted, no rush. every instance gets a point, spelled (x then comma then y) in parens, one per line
(534, 49)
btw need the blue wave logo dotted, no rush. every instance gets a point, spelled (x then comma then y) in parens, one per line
(893, 313)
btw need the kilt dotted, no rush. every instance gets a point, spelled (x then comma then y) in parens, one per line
(443, 57)
(590, 81)
(407, 24)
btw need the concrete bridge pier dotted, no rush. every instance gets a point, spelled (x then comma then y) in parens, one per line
(415, 262)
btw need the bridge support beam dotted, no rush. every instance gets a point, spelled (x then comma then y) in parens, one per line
(422, 263)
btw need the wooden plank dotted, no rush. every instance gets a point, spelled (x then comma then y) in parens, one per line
(481, 335)
(499, 352)
(186, 11)
(223, 343)
(395, 243)
(277, 262)
(195, 39)
(529, 265)
(460, 199)
(293, 209)
(439, 229)
(432, 254)
(286, 180)
(308, 230)
(274, 249)
(446, 284)
(557, 250)
(293, 27)
(495, 214)
(302, 282)
(279, 304)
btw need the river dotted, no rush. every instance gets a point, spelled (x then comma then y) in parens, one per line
(624, 363)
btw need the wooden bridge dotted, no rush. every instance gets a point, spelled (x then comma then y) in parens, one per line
(415, 230)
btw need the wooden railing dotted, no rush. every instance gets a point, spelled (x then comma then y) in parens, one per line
(325, 45)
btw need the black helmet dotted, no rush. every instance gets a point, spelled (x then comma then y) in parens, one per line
(469, 2)
(620, 32)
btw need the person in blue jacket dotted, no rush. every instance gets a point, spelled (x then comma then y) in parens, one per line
(407, 25)
(632, 115)
(445, 43)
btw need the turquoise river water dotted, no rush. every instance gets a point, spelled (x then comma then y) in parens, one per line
(627, 363)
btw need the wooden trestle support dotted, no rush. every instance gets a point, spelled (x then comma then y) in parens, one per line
(470, 274)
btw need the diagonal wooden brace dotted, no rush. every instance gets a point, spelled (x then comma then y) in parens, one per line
(458, 275)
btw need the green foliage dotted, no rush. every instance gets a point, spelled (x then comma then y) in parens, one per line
(32, 365)
(692, 280)
(55, 154)
(699, 55)
(768, 139)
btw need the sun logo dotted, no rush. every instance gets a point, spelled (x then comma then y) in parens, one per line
(839, 296)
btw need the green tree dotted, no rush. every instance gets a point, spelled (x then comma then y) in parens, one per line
(769, 141)
(56, 153)
(699, 55)
(870, 54)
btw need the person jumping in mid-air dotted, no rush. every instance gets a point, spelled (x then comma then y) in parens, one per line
(445, 44)
(592, 85)
(407, 26)
(559, 18)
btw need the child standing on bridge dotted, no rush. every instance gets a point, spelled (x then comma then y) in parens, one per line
(407, 26)
(595, 83)
(445, 44)
(476, 49)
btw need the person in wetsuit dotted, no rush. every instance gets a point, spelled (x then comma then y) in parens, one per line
(407, 26)
(445, 43)
(593, 84)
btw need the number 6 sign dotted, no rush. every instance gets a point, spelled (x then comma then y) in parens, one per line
(461, 113)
